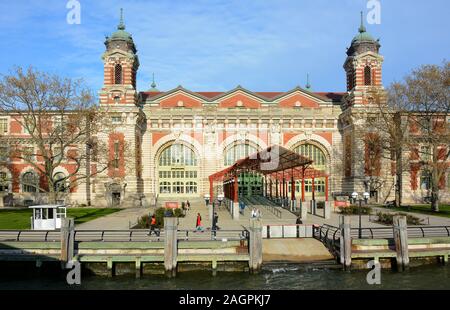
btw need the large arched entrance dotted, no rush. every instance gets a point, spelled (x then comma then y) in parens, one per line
(249, 183)
(177, 171)
(317, 185)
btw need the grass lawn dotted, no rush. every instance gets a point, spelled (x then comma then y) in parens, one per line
(20, 219)
(444, 210)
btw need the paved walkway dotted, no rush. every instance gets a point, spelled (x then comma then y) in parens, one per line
(121, 220)
(115, 221)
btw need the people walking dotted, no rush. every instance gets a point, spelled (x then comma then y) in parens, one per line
(258, 214)
(198, 224)
(188, 205)
(215, 221)
(153, 226)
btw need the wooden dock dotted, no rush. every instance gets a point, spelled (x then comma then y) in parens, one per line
(397, 244)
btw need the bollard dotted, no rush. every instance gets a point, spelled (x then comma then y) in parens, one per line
(170, 245)
(345, 241)
(255, 245)
(401, 242)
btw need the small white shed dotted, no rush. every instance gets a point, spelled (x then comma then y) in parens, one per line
(47, 217)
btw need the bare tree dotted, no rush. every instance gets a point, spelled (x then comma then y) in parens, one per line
(427, 93)
(60, 121)
(413, 117)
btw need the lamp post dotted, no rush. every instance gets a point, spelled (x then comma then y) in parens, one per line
(365, 196)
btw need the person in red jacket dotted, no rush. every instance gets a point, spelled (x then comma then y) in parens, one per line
(198, 224)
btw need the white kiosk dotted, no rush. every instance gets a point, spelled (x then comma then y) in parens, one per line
(47, 217)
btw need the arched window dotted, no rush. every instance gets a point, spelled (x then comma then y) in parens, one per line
(118, 74)
(178, 155)
(60, 182)
(237, 152)
(314, 153)
(178, 187)
(367, 76)
(191, 188)
(164, 187)
(29, 182)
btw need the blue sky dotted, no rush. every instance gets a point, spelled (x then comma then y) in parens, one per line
(215, 45)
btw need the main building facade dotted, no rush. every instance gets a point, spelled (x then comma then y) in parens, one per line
(175, 139)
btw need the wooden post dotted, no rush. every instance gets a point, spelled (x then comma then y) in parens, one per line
(345, 241)
(170, 245)
(67, 240)
(255, 245)
(111, 267)
(138, 267)
(401, 242)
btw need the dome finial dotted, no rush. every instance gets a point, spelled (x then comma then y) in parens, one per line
(121, 25)
(308, 85)
(153, 83)
(362, 28)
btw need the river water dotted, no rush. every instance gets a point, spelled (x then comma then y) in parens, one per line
(275, 276)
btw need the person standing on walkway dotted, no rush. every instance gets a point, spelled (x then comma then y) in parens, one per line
(188, 205)
(215, 221)
(152, 226)
(198, 224)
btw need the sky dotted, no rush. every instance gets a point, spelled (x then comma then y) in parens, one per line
(215, 45)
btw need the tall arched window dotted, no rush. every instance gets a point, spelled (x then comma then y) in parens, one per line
(178, 155)
(118, 74)
(312, 152)
(177, 170)
(60, 182)
(367, 76)
(238, 151)
(29, 182)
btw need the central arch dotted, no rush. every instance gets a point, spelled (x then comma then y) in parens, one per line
(177, 170)
(318, 153)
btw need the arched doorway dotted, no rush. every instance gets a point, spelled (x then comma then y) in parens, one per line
(320, 162)
(248, 183)
(177, 171)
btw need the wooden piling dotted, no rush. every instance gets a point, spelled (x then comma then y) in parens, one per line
(170, 244)
(111, 267)
(345, 241)
(401, 242)
(255, 245)
(138, 266)
(67, 240)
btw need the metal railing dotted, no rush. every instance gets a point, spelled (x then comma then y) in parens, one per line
(211, 235)
(326, 232)
(274, 210)
(30, 235)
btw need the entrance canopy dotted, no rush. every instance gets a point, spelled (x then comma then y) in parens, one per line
(276, 163)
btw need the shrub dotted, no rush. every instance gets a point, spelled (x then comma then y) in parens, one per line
(178, 212)
(354, 210)
(144, 221)
(388, 218)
